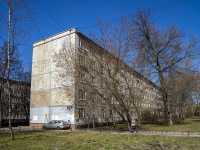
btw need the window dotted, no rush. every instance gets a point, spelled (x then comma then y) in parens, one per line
(18, 93)
(82, 77)
(103, 85)
(115, 101)
(109, 72)
(17, 107)
(82, 94)
(103, 113)
(92, 80)
(16, 114)
(121, 89)
(110, 99)
(82, 60)
(81, 43)
(93, 51)
(102, 70)
(5, 115)
(18, 100)
(111, 114)
(93, 96)
(103, 99)
(93, 113)
(81, 113)
(92, 65)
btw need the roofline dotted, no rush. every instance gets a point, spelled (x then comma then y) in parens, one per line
(56, 36)
(134, 71)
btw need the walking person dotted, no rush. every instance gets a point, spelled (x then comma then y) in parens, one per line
(133, 125)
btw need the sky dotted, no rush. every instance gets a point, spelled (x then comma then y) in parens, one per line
(50, 17)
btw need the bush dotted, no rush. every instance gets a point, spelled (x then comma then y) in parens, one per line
(148, 116)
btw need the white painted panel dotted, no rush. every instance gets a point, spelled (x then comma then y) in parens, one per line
(46, 114)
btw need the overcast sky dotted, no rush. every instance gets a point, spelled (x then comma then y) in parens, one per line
(54, 16)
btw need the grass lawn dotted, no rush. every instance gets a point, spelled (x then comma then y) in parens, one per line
(61, 140)
(189, 124)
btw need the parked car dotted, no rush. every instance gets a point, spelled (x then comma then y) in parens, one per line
(56, 124)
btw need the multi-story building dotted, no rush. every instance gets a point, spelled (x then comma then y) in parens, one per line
(75, 79)
(20, 102)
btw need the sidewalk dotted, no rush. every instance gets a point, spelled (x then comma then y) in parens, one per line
(161, 133)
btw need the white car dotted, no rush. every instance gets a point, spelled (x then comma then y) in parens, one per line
(56, 124)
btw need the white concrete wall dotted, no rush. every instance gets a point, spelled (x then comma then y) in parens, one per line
(46, 114)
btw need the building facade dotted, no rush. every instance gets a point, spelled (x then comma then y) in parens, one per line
(75, 79)
(20, 103)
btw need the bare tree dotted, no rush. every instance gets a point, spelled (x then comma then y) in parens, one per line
(181, 87)
(119, 89)
(160, 52)
(15, 36)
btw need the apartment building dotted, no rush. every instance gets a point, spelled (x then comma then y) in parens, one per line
(20, 102)
(75, 79)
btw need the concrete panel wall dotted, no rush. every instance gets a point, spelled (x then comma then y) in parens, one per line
(40, 82)
(62, 97)
(41, 66)
(47, 92)
(40, 98)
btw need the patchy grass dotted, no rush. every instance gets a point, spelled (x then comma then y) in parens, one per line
(61, 140)
(188, 125)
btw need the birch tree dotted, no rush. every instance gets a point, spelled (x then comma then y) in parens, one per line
(14, 22)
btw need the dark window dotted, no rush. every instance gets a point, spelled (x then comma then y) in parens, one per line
(81, 113)
(82, 94)
(102, 113)
(82, 77)
(111, 114)
(92, 80)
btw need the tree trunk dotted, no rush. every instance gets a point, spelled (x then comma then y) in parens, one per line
(167, 112)
(8, 73)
